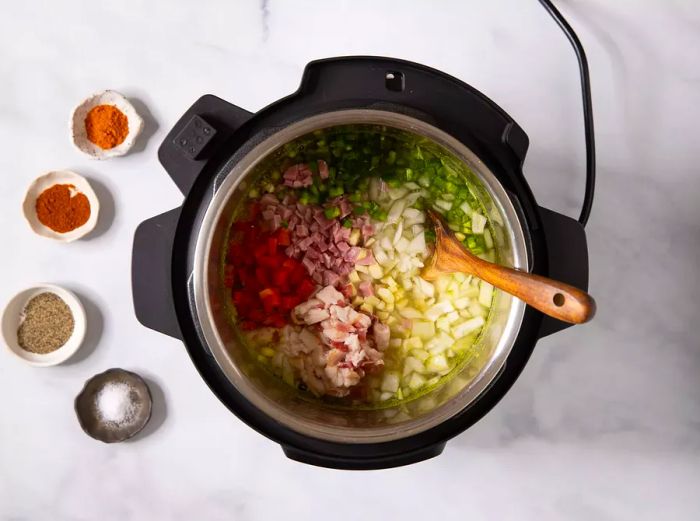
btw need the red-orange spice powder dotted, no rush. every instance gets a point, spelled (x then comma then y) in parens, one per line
(106, 126)
(57, 209)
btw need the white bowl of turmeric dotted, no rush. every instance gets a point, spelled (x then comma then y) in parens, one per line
(61, 205)
(105, 125)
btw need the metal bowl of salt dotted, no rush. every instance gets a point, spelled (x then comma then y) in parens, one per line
(114, 406)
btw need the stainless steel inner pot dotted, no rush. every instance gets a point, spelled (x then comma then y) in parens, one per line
(315, 418)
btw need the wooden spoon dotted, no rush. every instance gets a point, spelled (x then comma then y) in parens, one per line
(556, 299)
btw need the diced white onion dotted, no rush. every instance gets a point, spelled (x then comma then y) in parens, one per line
(478, 222)
(485, 293)
(441, 204)
(467, 327)
(395, 211)
(465, 208)
(399, 232)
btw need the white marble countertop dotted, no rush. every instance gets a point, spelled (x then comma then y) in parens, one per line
(605, 421)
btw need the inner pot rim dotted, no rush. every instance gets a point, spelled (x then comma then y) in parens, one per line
(200, 277)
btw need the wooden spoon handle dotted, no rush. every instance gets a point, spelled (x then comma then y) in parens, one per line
(554, 298)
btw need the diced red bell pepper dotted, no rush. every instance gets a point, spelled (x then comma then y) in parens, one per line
(254, 211)
(299, 274)
(270, 299)
(279, 278)
(261, 276)
(270, 262)
(240, 298)
(278, 320)
(271, 246)
(289, 264)
(265, 283)
(248, 325)
(283, 237)
(306, 288)
(290, 302)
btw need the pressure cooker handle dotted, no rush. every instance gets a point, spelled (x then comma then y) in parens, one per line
(407, 86)
(357, 463)
(196, 137)
(567, 257)
(151, 283)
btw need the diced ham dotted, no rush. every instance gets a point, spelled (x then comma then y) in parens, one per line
(305, 243)
(293, 172)
(319, 243)
(329, 295)
(334, 356)
(365, 288)
(309, 264)
(287, 213)
(362, 321)
(314, 316)
(298, 176)
(345, 207)
(323, 170)
(309, 340)
(342, 377)
(381, 335)
(367, 260)
(268, 199)
(336, 353)
(347, 290)
(330, 277)
(352, 254)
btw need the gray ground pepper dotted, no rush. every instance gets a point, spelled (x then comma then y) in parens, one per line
(48, 324)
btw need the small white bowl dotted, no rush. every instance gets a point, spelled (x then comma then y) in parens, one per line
(12, 318)
(79, 134)
(60, 177)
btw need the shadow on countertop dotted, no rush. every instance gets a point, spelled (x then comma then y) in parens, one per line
(94, 327)
(150, 125)
(159, 412)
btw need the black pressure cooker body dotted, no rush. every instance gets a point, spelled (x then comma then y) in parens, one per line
(213, 134)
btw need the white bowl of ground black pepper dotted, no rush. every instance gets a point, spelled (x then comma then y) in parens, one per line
(44, 325)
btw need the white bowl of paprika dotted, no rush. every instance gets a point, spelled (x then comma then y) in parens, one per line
(61, 205)
(105, 125)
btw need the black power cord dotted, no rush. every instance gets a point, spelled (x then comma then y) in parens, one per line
(587, 108)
